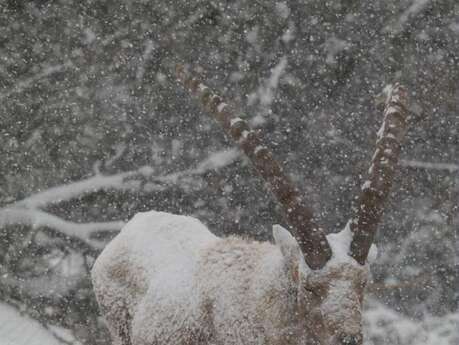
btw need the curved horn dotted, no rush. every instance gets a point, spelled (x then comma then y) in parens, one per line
(381, 173)
(309, 235)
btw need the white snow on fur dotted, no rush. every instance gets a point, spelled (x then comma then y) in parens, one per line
(164, 270)
(148, 267)
(166, 279)
(173, 241)
(176, 281)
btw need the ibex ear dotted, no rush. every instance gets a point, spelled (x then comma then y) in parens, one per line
(290, 250)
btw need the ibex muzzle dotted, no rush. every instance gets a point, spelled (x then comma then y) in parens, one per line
(166, 279)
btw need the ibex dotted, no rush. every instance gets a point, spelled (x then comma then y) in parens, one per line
(167, 280)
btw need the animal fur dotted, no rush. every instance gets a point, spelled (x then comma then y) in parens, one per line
(166, 279)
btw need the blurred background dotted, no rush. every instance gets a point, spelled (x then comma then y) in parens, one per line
(94, 128)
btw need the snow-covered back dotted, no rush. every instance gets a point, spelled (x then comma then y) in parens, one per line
(167, 279)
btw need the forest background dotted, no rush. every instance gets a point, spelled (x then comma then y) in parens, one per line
(94, 128)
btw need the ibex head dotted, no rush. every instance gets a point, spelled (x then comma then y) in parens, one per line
(329, 299)
(329, 273)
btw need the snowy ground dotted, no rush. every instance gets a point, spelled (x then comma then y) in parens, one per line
(19, 329)
(383, 326)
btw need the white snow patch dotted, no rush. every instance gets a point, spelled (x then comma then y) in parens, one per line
(372, 254)
(202, 87)
(282, 9)
(221, 106)
(391, 136)
(381, 131)
(388, 152)
(370, 169)
(375, 154)
(366, 185)
(391, 111)
(385, 326)
(340, 243)
(235, 120)
(289, 34)
(267, 92)
(19, 329)
(245, 134)
(259, 148)
(217, 160)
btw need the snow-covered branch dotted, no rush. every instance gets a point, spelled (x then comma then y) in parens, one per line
(429, 165)
(266, 92)
(125, 181)
(38, 219)
(149, 48)
(28, 82)
(76, 189)
(416, 7)
(29, 211)
(215, 161)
